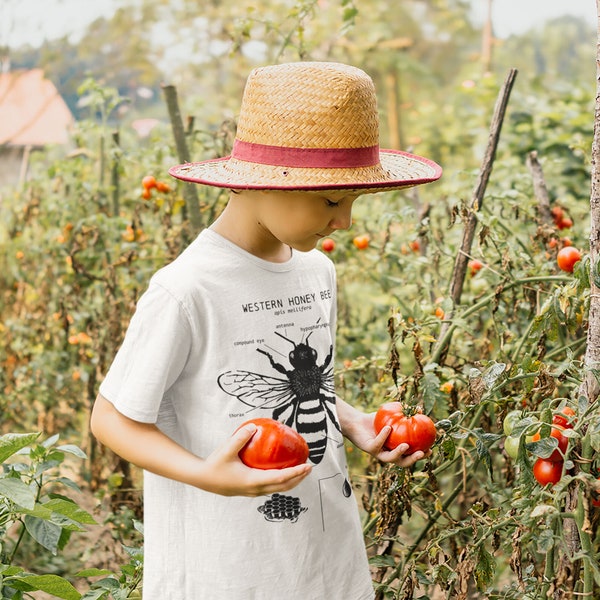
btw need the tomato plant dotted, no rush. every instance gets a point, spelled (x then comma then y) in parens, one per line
(274, 445)
(547, 471)
(418, 430)
(567, 257)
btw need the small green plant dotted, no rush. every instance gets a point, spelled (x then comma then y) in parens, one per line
(33, 504)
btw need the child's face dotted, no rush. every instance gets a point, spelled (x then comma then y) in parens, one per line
(301, 219)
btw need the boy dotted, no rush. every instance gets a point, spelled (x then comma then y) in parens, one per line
(242, 325)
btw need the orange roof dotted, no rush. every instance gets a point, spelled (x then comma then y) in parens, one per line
(32, 112)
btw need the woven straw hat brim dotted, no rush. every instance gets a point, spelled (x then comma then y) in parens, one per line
(397, 170)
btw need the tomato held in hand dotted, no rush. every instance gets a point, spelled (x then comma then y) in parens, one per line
(274, 445)
(418, 431)
(547, 471)
(567, 257)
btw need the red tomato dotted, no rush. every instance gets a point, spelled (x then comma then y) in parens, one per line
(557, 213)
(474, 266)
(415, 245)
(162, 187)
(564, 418)
(563, 442)
(564, 223)
(418, 431)
(328, 245)
(547, 471)
(567, 257)
(273, 446)
(361, 241)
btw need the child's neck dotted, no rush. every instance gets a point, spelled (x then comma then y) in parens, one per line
(241, 228)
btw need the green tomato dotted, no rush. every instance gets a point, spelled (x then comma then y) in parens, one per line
(511, 446)
(511, 419)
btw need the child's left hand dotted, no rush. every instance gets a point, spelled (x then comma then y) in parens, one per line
(359, 428)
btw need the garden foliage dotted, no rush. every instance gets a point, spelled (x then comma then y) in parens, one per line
(81, 240)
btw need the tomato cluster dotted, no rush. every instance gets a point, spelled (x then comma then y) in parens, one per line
(418, 430)
(545, 470)
(561, 220)
(274, 445)
(149, 182)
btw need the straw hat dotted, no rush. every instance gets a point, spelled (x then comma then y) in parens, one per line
(310, 126)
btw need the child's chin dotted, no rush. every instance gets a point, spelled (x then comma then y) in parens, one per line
(306, 247)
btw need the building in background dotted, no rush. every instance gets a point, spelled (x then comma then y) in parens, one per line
(33, 116)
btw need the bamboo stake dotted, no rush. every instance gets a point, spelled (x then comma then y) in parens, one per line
(190, 194)
(114, 175)
(462, 258)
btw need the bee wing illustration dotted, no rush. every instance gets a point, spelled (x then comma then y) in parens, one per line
(256, 390)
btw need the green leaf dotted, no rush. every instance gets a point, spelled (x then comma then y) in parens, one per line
(72, 449)
(384, 560)
(44, 532)
(484, 569)
(18, 492)
(11, 443)
(492, 373)
(93, 572)
(71, 510)
(51, 441)
(52, 584)
(545, 541)
(96, 594)
(484, 455)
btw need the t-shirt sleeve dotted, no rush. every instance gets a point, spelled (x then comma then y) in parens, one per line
(153, 355)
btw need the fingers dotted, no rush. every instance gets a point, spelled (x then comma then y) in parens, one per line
(381, 437)
(277, 480)
(240, 438)
(399, 455)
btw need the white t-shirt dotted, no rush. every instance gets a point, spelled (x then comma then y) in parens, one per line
(221, 337)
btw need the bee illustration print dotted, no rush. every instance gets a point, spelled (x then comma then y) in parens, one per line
(303, 400)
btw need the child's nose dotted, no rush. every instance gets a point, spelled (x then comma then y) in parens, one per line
(342, 219)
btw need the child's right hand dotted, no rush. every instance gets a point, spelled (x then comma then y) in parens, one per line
(224, 473)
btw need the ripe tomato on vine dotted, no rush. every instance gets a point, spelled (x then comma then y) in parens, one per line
(567, 257)
(547, 471)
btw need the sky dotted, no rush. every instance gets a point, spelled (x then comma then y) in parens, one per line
(31, 21)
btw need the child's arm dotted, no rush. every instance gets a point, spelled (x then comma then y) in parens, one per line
(222, 472)
(358, 427)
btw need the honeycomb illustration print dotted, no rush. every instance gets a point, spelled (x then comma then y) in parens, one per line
(280, 507)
